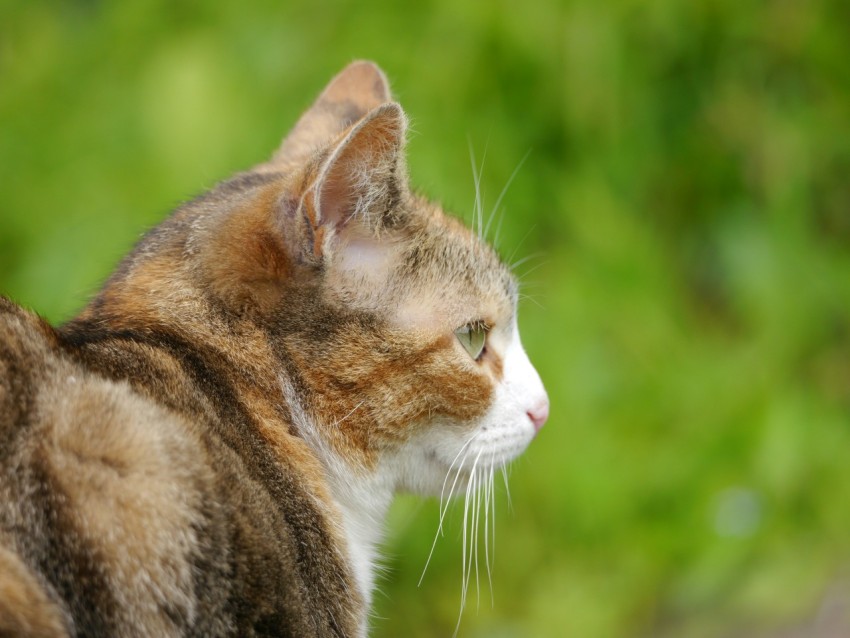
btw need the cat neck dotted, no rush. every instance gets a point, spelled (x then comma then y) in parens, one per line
(362, 496)
(364, 502)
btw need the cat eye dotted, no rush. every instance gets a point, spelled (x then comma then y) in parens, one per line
(472, 337)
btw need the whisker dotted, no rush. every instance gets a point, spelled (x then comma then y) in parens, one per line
(532, 300)
(498, 231)
(526, 288)
(493, 490)
(505, 190)
(487, 526)
(528, 295)
(521, 241)
(507, 489)
(474, 181)
(445, 508)
(470, 499)
(493, 529)
(480, 495)
(353, 410)
(488, 495)
(532, 269)
(442, 510)
(520, 262)
(467, 565)
(478, 210)
(463, 559)
(457, 475)
(475, 520)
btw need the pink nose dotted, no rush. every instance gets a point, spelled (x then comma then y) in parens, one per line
(539, 413)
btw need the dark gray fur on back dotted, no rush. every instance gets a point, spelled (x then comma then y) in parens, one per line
(258, 555)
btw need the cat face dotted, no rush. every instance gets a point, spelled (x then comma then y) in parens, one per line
(487, 399)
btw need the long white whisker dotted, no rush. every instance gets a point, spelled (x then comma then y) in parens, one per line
(475, 518)
(532, 269)
(520, 262)
(521, 241)
(532, 300)
(467, 566)
(507, 489)
(528, 295)
(353, 410)
(474, 181)
(476, 207)
(493, 532)
(442, 509)
(505, 190)
(445, 508)
(469, 487)
(488, 507)
(457, 475)
(487, 527)
(493, 487)
(498, 231)
(470, 499)
(477, 172)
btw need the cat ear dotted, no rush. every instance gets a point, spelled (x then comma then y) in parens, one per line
(360, 183)
(359, 88)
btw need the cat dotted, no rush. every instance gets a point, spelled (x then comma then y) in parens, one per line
(211, 446)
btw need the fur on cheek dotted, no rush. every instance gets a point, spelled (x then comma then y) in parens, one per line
(369, 392)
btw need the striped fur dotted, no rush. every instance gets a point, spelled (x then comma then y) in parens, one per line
(209, 447)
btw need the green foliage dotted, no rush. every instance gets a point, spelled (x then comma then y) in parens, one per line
(687, 183)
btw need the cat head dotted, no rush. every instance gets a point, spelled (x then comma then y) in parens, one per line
(406, 347)
(388, 325)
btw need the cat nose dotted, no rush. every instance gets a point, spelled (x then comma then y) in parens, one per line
(539, 413)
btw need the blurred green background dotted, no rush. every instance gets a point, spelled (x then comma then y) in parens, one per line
(688, 185)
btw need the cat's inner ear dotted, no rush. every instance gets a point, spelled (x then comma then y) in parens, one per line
(358, 89)
(356, 205)
(362, 179)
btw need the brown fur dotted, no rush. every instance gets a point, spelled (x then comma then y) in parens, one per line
(152, 478)
(25, 609)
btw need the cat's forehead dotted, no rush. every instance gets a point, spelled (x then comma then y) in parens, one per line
(449, 276)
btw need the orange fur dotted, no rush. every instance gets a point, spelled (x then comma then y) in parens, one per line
(25, 609)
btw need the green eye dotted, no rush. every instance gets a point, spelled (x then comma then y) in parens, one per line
(472, 337)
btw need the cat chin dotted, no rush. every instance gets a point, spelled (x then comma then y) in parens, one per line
(445, 458)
